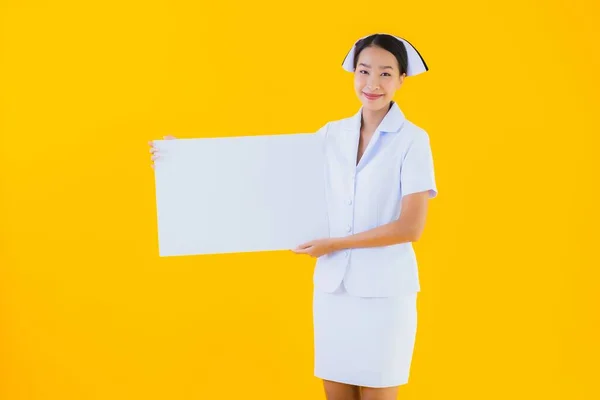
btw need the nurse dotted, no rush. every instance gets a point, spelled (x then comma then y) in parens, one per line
(380, 176)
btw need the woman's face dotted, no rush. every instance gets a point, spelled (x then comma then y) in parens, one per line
(377, 77)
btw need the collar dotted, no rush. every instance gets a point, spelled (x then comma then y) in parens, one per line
(391, 123)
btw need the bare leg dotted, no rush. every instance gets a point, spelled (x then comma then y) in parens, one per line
(340, 391)
(388, 393)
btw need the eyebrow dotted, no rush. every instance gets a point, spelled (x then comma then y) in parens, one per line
(383, 67)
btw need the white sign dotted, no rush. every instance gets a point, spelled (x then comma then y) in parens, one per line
(239, 194)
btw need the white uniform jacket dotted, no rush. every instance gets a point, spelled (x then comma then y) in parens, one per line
(397, 161)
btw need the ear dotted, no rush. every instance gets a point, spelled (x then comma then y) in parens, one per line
(401, 80)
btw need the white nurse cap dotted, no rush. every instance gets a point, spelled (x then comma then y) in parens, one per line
(416, 64)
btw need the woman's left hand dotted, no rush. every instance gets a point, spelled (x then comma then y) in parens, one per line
(316, 248)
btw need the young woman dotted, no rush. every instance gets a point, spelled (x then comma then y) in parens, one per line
(380, 176)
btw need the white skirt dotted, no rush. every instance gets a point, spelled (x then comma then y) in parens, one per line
(364, 341)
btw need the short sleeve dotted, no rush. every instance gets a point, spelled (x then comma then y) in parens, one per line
(417, 171)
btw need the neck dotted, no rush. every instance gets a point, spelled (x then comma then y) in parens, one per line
(372, 118)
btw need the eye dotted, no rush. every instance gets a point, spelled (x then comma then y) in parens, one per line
(386, 73)
(362, 70)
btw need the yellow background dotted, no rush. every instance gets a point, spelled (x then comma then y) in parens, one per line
(510, 301)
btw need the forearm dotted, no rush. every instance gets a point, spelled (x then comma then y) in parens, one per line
(385, 235)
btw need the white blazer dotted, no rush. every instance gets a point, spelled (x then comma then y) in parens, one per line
(397, 161)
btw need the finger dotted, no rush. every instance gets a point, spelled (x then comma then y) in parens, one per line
(154, 157)
(169, 137)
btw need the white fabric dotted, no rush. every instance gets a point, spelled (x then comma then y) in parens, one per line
(416, 64)
(364, 341)
(397, 162)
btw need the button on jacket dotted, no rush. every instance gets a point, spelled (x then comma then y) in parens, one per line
(397, 161)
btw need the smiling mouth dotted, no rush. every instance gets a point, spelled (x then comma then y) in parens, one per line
(372, 96)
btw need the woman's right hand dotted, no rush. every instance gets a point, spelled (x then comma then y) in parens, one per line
(154, 150)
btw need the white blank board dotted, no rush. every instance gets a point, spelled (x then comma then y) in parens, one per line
(239, 194)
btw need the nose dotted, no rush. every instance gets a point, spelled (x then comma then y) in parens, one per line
(373, 83)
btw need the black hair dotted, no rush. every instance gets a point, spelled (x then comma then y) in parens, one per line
(386, 42)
